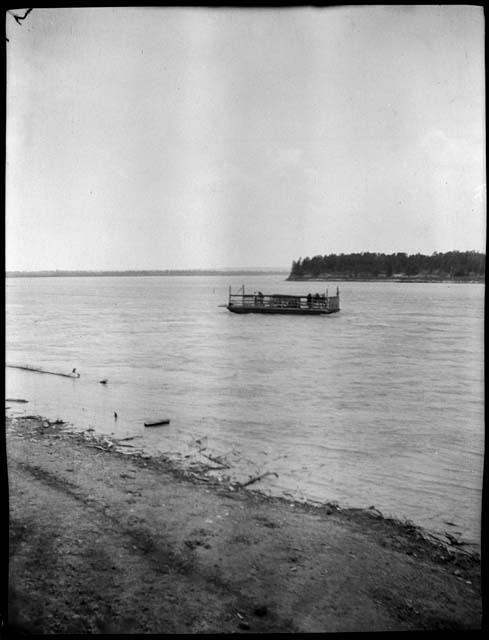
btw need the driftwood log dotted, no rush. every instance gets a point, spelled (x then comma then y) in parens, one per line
(260, 477)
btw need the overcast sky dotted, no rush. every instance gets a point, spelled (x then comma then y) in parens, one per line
(179, 138)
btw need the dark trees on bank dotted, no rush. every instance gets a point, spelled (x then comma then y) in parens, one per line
(452, 264)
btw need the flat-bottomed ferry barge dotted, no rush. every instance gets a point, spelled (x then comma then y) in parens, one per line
(257, 302)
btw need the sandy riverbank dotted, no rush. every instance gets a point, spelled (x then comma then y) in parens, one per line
(103, 542)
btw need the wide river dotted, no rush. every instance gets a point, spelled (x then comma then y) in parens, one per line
(381, 404)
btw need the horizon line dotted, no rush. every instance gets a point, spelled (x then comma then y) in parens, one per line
(207, 270)
(153, 271)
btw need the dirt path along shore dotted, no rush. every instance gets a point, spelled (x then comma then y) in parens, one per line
(106, 543)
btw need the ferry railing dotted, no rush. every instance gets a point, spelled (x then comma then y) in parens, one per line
(316, 301)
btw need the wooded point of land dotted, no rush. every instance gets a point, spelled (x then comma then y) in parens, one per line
(449, 265)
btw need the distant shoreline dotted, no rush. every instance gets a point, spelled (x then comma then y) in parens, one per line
(231, 272)
(392, 279)
(169, 272)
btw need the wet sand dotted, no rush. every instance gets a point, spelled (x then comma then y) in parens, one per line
(103, 542)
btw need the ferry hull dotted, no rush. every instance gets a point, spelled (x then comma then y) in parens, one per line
(291, 311)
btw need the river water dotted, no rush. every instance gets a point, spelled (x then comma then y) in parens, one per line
(381, 404)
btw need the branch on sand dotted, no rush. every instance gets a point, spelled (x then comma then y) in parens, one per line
(218, 460)
(257, 478)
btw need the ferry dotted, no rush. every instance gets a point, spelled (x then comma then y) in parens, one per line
(257, 302)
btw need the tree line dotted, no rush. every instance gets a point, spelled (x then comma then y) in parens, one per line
(452, 264)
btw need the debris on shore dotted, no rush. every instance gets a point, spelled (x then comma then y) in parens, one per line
(196, 467)
(202, 549)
